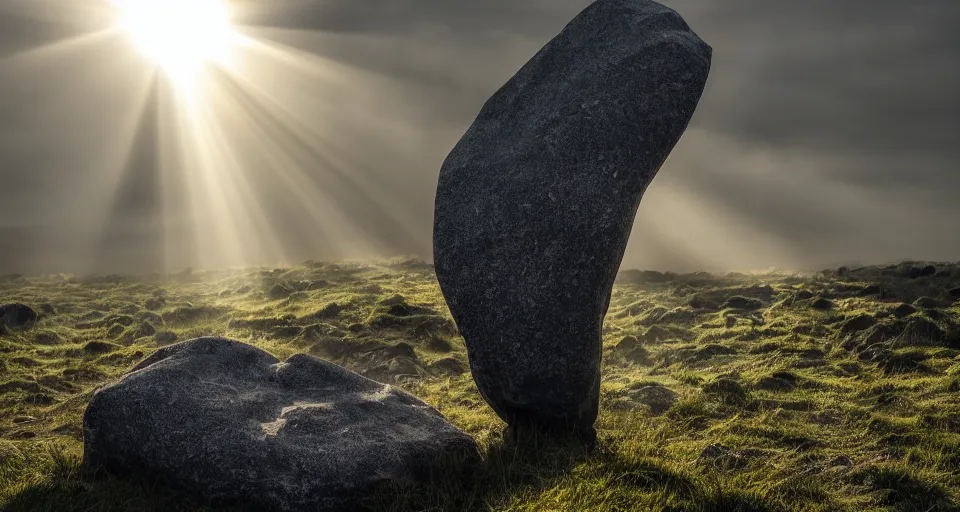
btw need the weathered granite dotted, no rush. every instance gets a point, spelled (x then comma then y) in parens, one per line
(536, 202)
(231, 423)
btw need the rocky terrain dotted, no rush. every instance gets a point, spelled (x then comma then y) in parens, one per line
(838, 390)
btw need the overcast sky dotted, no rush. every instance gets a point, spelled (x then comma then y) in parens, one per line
(829, 134)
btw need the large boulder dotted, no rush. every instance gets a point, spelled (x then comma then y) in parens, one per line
(536, 202)
(231, 423)
(17, 317)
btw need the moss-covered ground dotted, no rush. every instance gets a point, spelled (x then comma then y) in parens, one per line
(835, 391)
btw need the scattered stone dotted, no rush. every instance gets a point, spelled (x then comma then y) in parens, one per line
(926, 302)
(656, 397)
(896, 363)
(804, 295)
(928, 271)
(699, 301)
(679, 316)
(19, 420)
(728, 391)
(779, 381)
(154, 303)
(535, 204)
(652, 317)
(448, 366)
(745, 303)
(165, 337)
(631, 349)
(100, 347)
(329, 311)
(439, 344)
(841, 461)
(150, 317)
(904, 310)
(913, 272)
(278, 291)
(873, 289)
(47, 338)
(920, 331)
(627, 343)
(822, 304)
(232, 424)
(18, 317)
(857, 324)
(145, 329)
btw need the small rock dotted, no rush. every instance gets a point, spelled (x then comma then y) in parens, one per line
(115, 331)
(278, 291)
(842, 460)
(729, 391)
(955, 293)
(926, 302)
(230, 423)
(448, 366)
(19, 420)
(804, 295)
(679, 316)
(822, 304)
(928, 271)
(154, 303)
(857, 324)
(331, 310)
(145, 329)
(652, 316)
(913, 272)
(738, 302)
(920, 331)
(99, 347)
(165, 337)
(627, 344)
(18, 317)
(904, 310)
(657, 398)
(151, 317)
(47, 338)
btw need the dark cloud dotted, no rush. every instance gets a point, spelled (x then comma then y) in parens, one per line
(829, 131)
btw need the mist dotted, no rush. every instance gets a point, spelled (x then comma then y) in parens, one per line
(829, 134)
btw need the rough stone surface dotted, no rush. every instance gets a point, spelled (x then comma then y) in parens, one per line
(231, 423)
(536, 202)
(17, 317)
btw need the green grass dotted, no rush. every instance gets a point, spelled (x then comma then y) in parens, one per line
(720, 393)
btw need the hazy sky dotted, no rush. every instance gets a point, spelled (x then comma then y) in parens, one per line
(829, 133)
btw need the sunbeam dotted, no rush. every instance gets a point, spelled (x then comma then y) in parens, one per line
(181, 36)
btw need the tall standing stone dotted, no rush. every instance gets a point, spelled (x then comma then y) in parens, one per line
(536, 202)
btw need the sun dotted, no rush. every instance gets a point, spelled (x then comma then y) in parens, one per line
(181, 36)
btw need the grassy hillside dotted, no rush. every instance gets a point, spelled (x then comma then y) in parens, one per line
(835, 391)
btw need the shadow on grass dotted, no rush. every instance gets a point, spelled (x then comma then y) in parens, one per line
(532, 471)
(529, 472)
